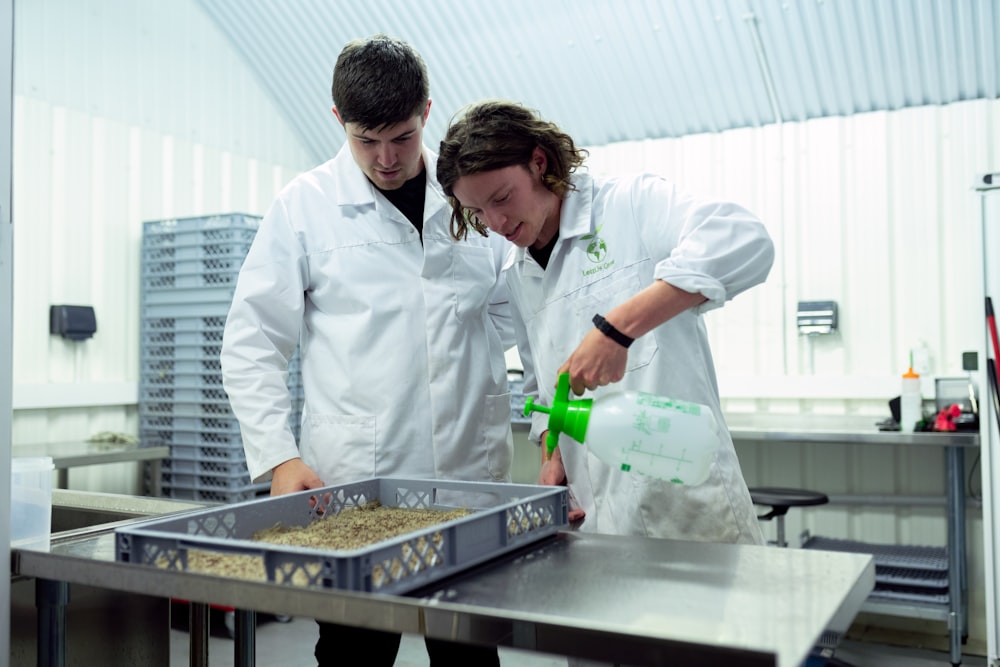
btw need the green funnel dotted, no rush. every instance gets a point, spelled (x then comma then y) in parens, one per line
(565, 416)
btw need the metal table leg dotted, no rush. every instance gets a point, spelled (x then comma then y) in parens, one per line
(245, 638)
(51, 598)
(958, 623)
(155, 479)
(198, 634)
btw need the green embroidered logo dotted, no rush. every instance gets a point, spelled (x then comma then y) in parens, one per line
(597, 250)
(597, 253)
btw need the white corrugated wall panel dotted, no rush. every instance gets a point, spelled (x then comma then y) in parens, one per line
(123, 112)
(78, 214)
(873, 211)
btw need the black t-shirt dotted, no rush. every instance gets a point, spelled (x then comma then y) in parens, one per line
(409, 199)
(542, 254)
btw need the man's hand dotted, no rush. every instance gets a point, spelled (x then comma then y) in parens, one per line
(291, 476)
(554, 474)
(596, 362)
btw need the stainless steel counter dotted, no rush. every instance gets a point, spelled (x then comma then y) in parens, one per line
(836, 429)
(74, 454)
(636, 600)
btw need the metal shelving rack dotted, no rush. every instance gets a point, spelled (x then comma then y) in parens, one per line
(926, 603)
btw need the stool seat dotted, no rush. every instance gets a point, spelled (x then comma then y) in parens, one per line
(779, 497)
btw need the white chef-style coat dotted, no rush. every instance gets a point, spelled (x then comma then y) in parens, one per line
(615, 237)
(402, 342)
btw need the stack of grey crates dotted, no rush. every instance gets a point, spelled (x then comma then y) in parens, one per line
(515, 382)
(189, 272)
(903, 573)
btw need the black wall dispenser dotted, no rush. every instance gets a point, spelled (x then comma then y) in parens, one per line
(72, 322)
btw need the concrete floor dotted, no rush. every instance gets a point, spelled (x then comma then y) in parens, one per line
(291, 644)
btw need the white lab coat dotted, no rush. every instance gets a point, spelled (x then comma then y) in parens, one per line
(402, 343)
(615, 237)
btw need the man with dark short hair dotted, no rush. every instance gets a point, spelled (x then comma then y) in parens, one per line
(402, 330)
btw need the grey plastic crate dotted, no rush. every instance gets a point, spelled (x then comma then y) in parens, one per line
(183, 380)
(154, 283)
(216, 495)
(218, 296)
(213, 424)
(910, 594)
(888, 555)
(216, 264)
(157, 337)
(230, 480)
(212, 351)
(160, 367)
(202, 223)
(182, 394)
(506, 517)
(515, 383)
(212, 323)
(184, 444)
(196, 308)
(184, 466)
(203, 409)
(229, 452)
(186, 250)
(222, 236)
(904, 576)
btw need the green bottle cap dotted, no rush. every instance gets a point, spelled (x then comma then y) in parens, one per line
(565, 416)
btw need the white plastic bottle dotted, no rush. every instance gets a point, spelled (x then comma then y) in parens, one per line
(910, 402)
(637, 432)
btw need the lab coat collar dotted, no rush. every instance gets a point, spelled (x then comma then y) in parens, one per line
(574, 219)
(575, 215)
(354, 188)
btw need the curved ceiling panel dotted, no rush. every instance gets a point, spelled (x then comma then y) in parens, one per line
(619, 70)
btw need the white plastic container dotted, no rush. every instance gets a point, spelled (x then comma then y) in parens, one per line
(31, 502)
(910, 402)
(638, 432)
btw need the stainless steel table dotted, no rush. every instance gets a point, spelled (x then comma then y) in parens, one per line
(636, 600)
(835, 429)
(66, 455)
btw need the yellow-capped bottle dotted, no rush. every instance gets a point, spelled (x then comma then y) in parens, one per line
(637, 431)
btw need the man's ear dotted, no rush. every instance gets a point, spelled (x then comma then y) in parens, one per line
(539, 160)
(337, 114)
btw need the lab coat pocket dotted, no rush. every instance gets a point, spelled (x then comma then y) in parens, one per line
(499, 441)
(603, 295)
(339, 446)
(473, 279)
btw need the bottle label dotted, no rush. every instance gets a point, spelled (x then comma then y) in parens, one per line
(663, 403)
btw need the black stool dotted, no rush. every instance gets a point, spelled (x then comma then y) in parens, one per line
(779, 500)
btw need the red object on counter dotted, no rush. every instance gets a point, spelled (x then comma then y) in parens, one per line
(945, 420)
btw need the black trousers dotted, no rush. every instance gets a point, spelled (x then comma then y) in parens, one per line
(338, 643)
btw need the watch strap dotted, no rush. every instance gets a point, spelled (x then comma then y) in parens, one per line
(609, 330)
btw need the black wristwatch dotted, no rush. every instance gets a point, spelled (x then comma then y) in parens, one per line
(609, 330)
